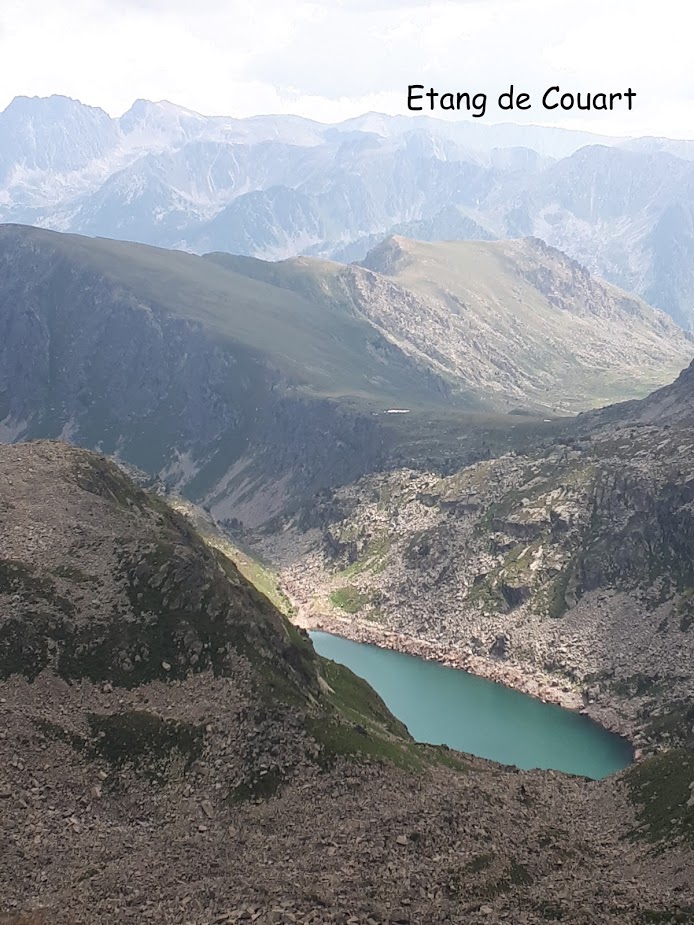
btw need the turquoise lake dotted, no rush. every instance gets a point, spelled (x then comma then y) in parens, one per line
(448, 706)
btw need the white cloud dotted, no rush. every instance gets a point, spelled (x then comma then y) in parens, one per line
(334, 60)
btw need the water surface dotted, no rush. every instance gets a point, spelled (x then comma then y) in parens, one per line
(449, 706)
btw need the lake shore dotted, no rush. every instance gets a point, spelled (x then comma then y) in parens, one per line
(525, 678)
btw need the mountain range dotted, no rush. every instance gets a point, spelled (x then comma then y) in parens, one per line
(281, 186)
(225, 375)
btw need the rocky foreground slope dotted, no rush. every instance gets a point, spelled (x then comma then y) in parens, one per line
(171, 750)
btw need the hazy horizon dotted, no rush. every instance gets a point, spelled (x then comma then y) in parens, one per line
(414, 116)
(331, 63)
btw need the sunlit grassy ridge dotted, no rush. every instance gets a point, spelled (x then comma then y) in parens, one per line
(260, 575)
(538, 317)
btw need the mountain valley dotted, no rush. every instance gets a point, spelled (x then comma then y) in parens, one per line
(564, 570)
(261, 377)
(250, 385)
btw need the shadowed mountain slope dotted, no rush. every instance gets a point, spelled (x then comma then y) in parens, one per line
(251, 385)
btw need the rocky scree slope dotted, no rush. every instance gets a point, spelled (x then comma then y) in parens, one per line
(171, 749)
(567, 571)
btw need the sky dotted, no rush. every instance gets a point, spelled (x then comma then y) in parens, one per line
(333, 59)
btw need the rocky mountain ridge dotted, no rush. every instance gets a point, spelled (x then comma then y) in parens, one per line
(279, 186)
(525, 309)
(252, 385)
(187, 370)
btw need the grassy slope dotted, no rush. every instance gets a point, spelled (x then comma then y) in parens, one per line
(295, 315)
(663, 789)
(490, 279)
(502, 316)
(261, 576)
(316, 344)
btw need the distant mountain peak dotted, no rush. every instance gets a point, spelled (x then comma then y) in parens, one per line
(161, 116)
(388, 257)
(49, 105)
(145, 107)
(276, 186)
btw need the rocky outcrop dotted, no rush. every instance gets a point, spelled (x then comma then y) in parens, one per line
(574, 564)
(113, 586)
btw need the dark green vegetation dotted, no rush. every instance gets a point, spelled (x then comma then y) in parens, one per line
(662, 789)
(349, 599)
(261, 784)
(261, 575)
(146, 743)
(317, 345)
(134, 741)
(348, 721)
(668, 917)
(486, 877)
(358, 725)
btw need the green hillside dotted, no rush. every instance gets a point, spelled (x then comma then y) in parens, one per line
(515, 324)
(319, 347)
(522, 319)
